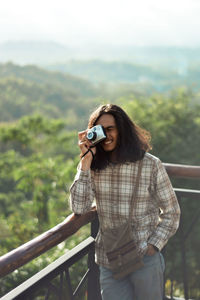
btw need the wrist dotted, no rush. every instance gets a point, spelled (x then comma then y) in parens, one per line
(86, 160)
(85, 163)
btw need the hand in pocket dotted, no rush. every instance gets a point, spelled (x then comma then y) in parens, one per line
(151, 250)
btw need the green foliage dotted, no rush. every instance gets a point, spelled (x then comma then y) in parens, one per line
(173, 122)
(32, 172)
(38, 161)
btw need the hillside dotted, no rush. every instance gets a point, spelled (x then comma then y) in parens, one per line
(80, 86)
(39, 75)
(26, 90)
(158, 77)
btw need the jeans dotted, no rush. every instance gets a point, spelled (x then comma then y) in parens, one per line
(143, 284)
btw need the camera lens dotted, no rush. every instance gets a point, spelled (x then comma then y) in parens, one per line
(91, 135)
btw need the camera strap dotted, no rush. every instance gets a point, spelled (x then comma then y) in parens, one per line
(89, 150)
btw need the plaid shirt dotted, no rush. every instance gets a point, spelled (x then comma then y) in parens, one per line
(156, 211)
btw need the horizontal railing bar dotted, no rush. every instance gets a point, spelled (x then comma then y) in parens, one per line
(32, 249)
(177, 170)
(194, 194)
(83, 246)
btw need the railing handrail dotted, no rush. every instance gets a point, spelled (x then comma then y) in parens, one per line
(47, 240)
(39, 245)
(177, 170)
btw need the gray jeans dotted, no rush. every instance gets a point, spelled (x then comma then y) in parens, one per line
(143, 284)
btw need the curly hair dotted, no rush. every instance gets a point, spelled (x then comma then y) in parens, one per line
(133, 141)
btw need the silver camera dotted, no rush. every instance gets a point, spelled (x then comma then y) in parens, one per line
(96, 134)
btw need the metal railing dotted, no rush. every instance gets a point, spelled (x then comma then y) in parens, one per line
(183, 234)
(43, 281)
(54, 282)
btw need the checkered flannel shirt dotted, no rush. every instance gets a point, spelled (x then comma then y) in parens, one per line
(156, 212)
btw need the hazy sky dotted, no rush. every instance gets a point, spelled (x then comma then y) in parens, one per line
(138, 22)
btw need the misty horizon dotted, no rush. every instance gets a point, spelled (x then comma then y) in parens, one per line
(147, 23)
(48, 52)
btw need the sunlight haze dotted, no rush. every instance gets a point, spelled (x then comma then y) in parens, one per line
(144, 23)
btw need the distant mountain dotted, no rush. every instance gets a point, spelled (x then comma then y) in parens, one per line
(109, 71)
(34, 52)
(147, 68)
(28, 90)
(152, 77)
(44, 53)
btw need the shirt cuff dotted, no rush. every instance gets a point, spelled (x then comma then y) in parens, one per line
(157, 243)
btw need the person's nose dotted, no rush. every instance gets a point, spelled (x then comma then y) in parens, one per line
(108, 134)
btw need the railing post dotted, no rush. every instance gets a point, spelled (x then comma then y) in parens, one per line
(93, 277)
(164, 279)
(183, 256)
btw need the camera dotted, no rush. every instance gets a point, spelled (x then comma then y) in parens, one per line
(96, 134)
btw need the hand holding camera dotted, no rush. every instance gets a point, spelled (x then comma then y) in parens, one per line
(87, 140)
(96, 134)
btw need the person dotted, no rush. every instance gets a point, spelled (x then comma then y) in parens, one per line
(106, 173)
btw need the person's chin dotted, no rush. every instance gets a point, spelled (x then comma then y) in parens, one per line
(108, 148)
